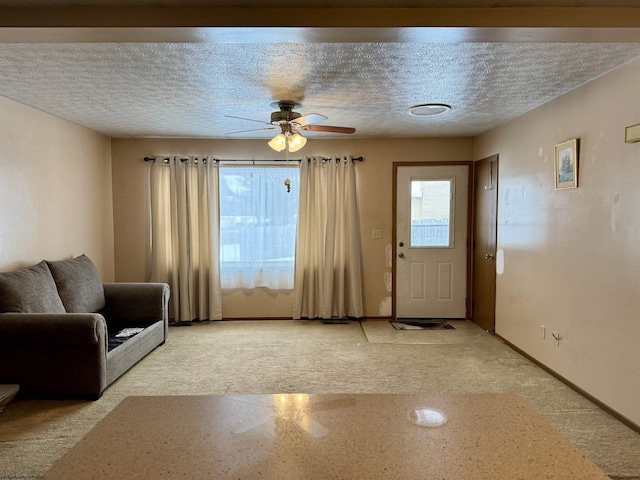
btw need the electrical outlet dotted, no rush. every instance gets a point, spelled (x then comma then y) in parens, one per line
(543, 331)
(376, 234)
(556, 338)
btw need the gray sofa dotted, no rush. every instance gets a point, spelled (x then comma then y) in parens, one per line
(58, 326)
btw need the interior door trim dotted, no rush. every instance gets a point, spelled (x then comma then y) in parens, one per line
(394, 242)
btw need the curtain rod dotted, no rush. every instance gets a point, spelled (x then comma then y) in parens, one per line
(166, 159)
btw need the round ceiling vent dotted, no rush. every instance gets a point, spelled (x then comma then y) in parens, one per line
(429, 109)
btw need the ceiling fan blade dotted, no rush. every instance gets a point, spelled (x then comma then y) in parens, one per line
(253, 130)
(309, 119)
(249, 119)
(328, 128)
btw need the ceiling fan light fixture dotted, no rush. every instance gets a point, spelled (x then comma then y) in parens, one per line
(279, 142)
(296, 142)
(429, 109)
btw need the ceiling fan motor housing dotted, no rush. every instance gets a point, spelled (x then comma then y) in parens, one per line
(286, 113)
(283, 117)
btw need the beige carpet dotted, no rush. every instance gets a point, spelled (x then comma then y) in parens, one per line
(312, 357)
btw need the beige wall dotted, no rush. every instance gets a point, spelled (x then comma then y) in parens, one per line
(375, 200)
(55, 190)
(572, 257)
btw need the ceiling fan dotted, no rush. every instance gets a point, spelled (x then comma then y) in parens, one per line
(290, 124)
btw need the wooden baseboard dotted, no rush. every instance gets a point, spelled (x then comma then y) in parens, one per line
(618, 416)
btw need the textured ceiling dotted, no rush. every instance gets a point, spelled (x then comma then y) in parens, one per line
(189, 89)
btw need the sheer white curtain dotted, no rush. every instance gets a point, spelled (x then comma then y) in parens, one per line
(185, 235)
(328, 268)
(258, 218)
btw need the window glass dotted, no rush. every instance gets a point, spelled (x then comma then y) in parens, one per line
(431, 211)
(258, 219)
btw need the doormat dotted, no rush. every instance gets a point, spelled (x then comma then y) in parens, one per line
(422, 324)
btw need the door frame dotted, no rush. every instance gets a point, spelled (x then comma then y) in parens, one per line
(394, 241)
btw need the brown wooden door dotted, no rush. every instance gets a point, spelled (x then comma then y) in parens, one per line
(484, 242)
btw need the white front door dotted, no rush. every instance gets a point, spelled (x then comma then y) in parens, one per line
(431, 241)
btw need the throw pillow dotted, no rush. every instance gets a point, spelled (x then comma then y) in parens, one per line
(30, 290)
(79, 284)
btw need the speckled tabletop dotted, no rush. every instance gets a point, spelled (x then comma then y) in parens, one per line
(300, 436)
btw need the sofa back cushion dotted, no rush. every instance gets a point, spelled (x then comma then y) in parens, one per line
(79, 284)
(30, 290)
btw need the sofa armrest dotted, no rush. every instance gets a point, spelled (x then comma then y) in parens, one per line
(52, 329)
(54, 353)
(130, 303)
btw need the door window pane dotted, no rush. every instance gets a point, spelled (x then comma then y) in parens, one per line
(431, 212)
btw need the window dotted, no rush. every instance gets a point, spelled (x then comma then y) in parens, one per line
(258, 220)
(431, 213)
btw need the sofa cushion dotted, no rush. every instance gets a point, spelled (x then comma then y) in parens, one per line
(79, 284)
(30, 290)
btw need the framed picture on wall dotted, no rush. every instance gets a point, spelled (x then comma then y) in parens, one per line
(566, 164)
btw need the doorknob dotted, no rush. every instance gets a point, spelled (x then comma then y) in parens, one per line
(489, 256)
(401, 255)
